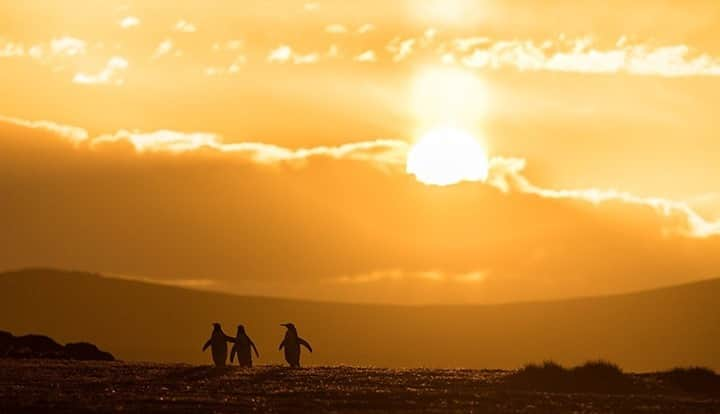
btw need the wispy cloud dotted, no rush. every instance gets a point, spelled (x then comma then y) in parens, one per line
(366, 56)
(401, 48)
(185, 27)
(59, 47)
(311, 7)
(67, 46)
(336, 28)
(506, 174)
(280, 54)
(231, 69)
(305, 59)
(109, 74)
(129, 21)
(72, 133)
(164, 48)
(582, 57)
(284, 54)
(366, 28)
(391, 275)
(228, 45)
(10, 49)
(184, 283)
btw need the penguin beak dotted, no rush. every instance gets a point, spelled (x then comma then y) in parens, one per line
(284, 324)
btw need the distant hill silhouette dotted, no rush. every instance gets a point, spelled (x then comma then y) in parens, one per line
(653, 330)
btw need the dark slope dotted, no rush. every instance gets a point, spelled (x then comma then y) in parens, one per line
(137, 321)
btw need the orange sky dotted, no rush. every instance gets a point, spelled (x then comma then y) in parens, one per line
(259, 147)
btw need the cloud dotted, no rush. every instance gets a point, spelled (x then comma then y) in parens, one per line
(109, 74)
(366, 28)
(383, 151)
(580, 56)
(183, 283)
(67, 46)
(59, 47)
(284, 53)
(280, 54)
(401, 48)
(305, 59)
(388, 152)
(164, 48)
(10, 49)
(336, 28)
(231, 69)
(184, 27)
(505, 174)
(366, 56)
(311, 7)
(129, 21)
(344, 220)
(396, 275)
(466, 44)
(73, 133)
(229, 45)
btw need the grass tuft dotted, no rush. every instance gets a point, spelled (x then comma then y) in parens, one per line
(692, 379)
(593, 376)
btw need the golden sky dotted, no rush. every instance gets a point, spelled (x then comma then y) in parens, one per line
(289, 148)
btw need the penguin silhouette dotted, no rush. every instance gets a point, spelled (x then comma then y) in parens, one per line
(218, 343)
(292, 343)
(242, 348)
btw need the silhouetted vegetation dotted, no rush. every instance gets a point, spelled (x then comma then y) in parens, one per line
(692, 379)
(594, 376)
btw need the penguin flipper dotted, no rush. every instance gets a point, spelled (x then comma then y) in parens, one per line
(282, 344)
(232, 354)
(257, 354)
(305, 344)
(207, 344)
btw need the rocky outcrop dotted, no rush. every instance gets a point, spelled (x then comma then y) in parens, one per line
(84, 351)
(39, 346)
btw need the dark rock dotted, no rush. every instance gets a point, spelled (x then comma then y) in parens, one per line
(40, 346)
(84, 351)
(6, 340)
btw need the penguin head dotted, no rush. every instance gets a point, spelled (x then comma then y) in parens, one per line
(216, 326)
(241, 329)
(289, 326)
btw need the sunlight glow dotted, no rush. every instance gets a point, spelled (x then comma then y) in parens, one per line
(447, 95)
(442, 11)
(446, 156)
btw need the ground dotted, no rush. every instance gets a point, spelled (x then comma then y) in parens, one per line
(43, 386)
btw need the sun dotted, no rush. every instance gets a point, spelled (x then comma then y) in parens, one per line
(445, 156)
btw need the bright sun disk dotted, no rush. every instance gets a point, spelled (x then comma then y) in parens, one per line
(446, 156)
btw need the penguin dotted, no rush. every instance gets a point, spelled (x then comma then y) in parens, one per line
(242, 348)
(292, 343)
(218, 343)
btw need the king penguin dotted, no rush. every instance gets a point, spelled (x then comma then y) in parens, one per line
(218, 343)
(292, 343)
(242, 348)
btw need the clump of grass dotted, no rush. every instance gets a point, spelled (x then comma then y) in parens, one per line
(692, 379)
(601, 376)
(593, 376)
(548, 371)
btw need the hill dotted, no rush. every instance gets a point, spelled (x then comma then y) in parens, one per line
(642, 331)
